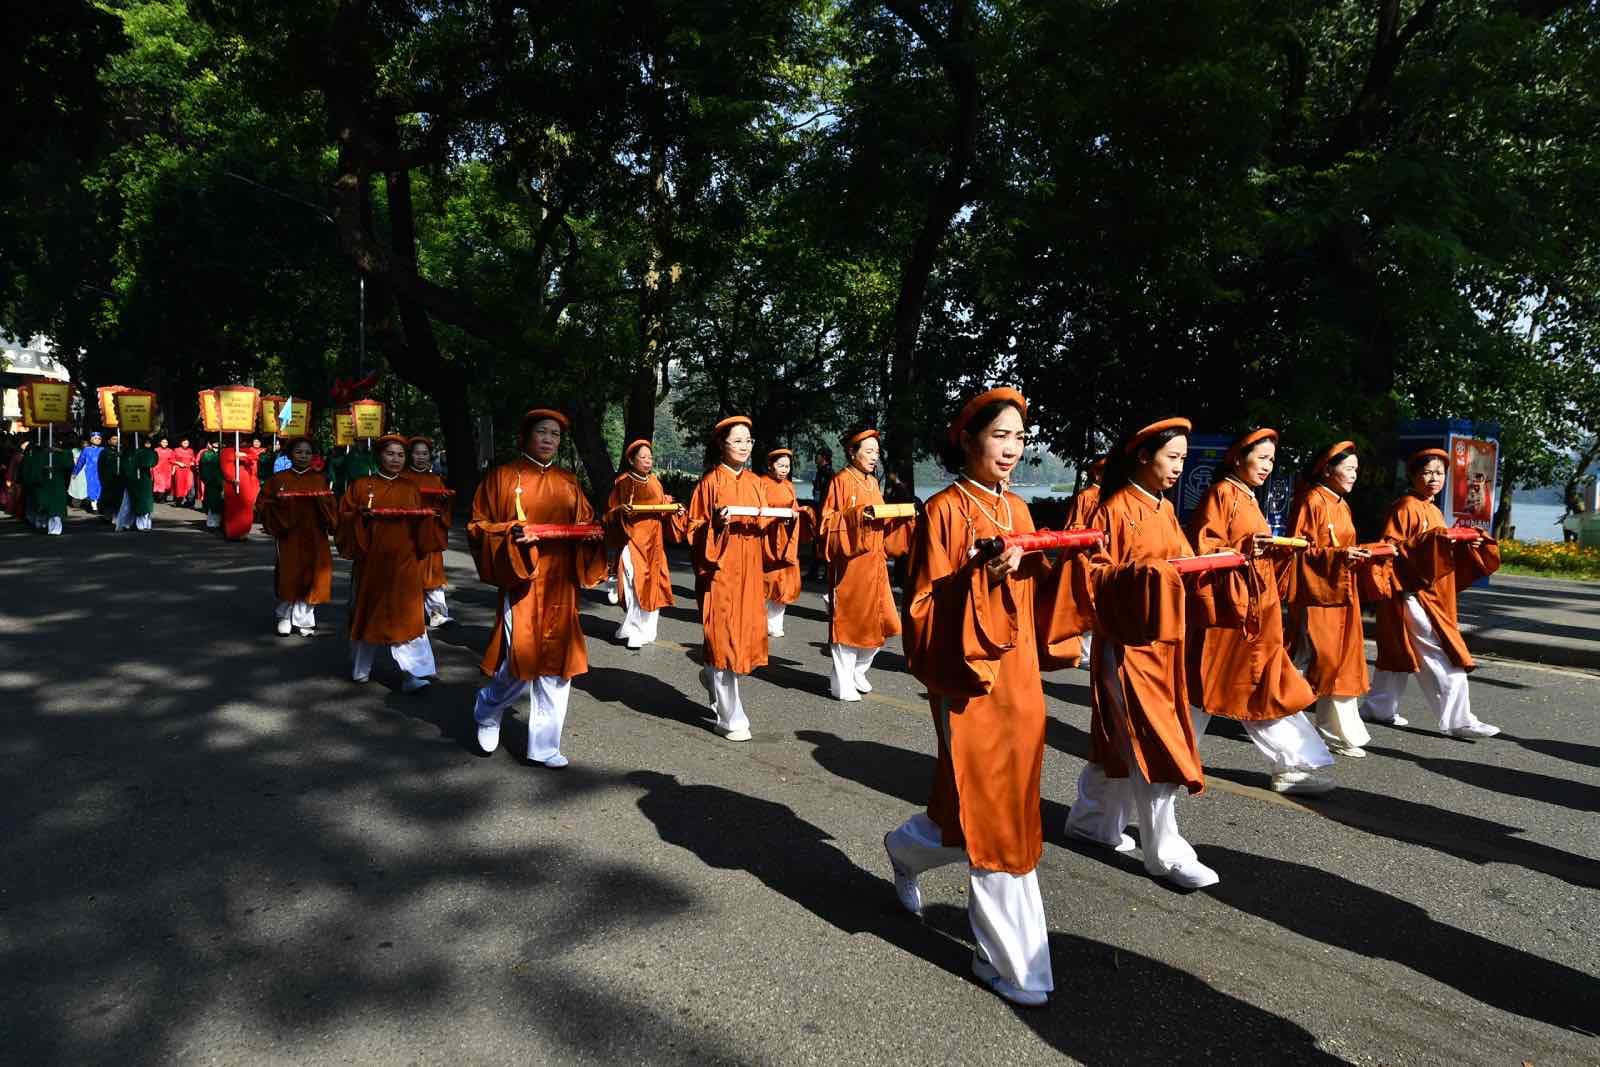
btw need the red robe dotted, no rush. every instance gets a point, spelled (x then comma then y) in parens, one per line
(161, 474)
(1431, 568)
(645, 537)
(862, 611)
(539, 581)
(729, 565)
(979, 648)
(1139, 613)
(238, 493)
(183, 460)
(386, 580)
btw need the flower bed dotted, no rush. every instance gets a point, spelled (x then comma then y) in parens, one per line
(1550, 559)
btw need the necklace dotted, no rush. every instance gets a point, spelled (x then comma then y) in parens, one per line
(536, 463)
(993, 513)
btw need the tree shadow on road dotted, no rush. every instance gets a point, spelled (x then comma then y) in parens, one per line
(1562, 792)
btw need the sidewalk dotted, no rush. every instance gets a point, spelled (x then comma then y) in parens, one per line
(1541, 620)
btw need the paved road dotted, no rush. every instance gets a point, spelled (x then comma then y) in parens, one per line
(217, 850)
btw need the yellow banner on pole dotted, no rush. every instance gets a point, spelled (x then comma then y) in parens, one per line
(209, 417)
(136, 410)
(344, 428)
(267, 413)
(368, 418)
(52, 402)
(108, 411)
(299, 424)
(236, 408)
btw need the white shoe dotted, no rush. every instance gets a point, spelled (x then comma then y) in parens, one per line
(1191, 875)
(307, 631)
(1026, 998)
(734, 735)
(634, 644)
(411, 683)
(1398, 720)
(1347, 750)
(774, 633)
(284, 627)
(1477, 729)
(862, 684)
(488, 737)
(1124, 842)
(1303, 783)
(905, 885)
(437, 620)
(361, 679)
(842, 696)
(611, 595)
(555, 763)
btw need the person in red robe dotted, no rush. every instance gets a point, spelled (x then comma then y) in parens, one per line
(183, 459)
(1321, 585)
(640, 540)
(161, 474)
(298, 510)
(1237, 664)
(420, 470)
(731, 552)
(979, 629)
(861, 608)
(1143, 751)
(538, 648)
(782, 579)
(239, 488)
(387, 532)
(1418, 633)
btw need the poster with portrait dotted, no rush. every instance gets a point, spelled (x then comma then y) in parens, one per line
(1474, 464)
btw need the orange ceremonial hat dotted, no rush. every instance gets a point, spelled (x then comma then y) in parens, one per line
(779, 453)
(1246, 443)
(420, 439)
(545, 413)
(1328, 454)
(981, 401)
(731, 420)
(634, 446)
(1428, 453)
(392, 438)
(1139, 438)
(863, 435)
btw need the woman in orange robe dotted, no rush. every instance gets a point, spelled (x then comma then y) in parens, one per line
(419, 470)
(1238, 667)
(1417, 629)
(1321, 588)
(1081, 510)
(861, 608)
(783, 574)
(643, 574)
(386, 579)
(300, 525)
(1143, 748)
(730, 557)
(979, 629)
(538, 647)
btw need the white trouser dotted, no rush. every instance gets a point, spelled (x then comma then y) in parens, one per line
(1005, 910)
(1088, 648)
(850, 670)
(298, 612)
(1290, 743)
(638, 627)
(775, 610)
(1444, 685)
(433, 603)
(213, 520)
(1338, 718)
(547, 699)
(124, 516)
(53, 525)
(725, 702)
(1107, 806)
(415, 657)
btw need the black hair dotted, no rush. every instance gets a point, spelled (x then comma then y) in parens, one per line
(1122, 463)
(774, 459)
(1313, 475)
(952, 454)
(1225, 467)
(718, 439)
(1416, 463)
(851, 449)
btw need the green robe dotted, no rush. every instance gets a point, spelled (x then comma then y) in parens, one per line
(210, 468)
(136, 473)
(30, 475)
(357, 464)
(55, 471)
(111, 485)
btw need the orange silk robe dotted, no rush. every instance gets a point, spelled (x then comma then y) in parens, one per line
(1081, 510)
(1323, 595)
(1239, 672)
(432, 567)
(782, 580)
(300, 525)
(1139, 611)
(386, 581)
(979, 649)
(645, 537)
(861, 610)
(1431, 566)
(729, 567)
(539, 581)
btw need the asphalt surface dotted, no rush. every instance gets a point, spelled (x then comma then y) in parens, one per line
(218, 850)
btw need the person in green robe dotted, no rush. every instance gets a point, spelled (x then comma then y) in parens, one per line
(55, 471)
(32, 473)
(138, 467)
(210, 471)
(109, 465)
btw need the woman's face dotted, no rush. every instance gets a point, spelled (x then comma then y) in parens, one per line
(1256, 467)
(1429, 479)
(1160, 468)
(392, 457)
(643, 460)
(995, 449)
(781, 466)
(1341, 476)
(255, 442)
(544, 440)
(736, 446)
(300, 455)
(164, 443)
(421, 456)
(183, 442)
(866, 456)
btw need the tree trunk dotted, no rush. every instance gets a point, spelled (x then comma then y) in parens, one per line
(1501, 527)
(588, 437)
